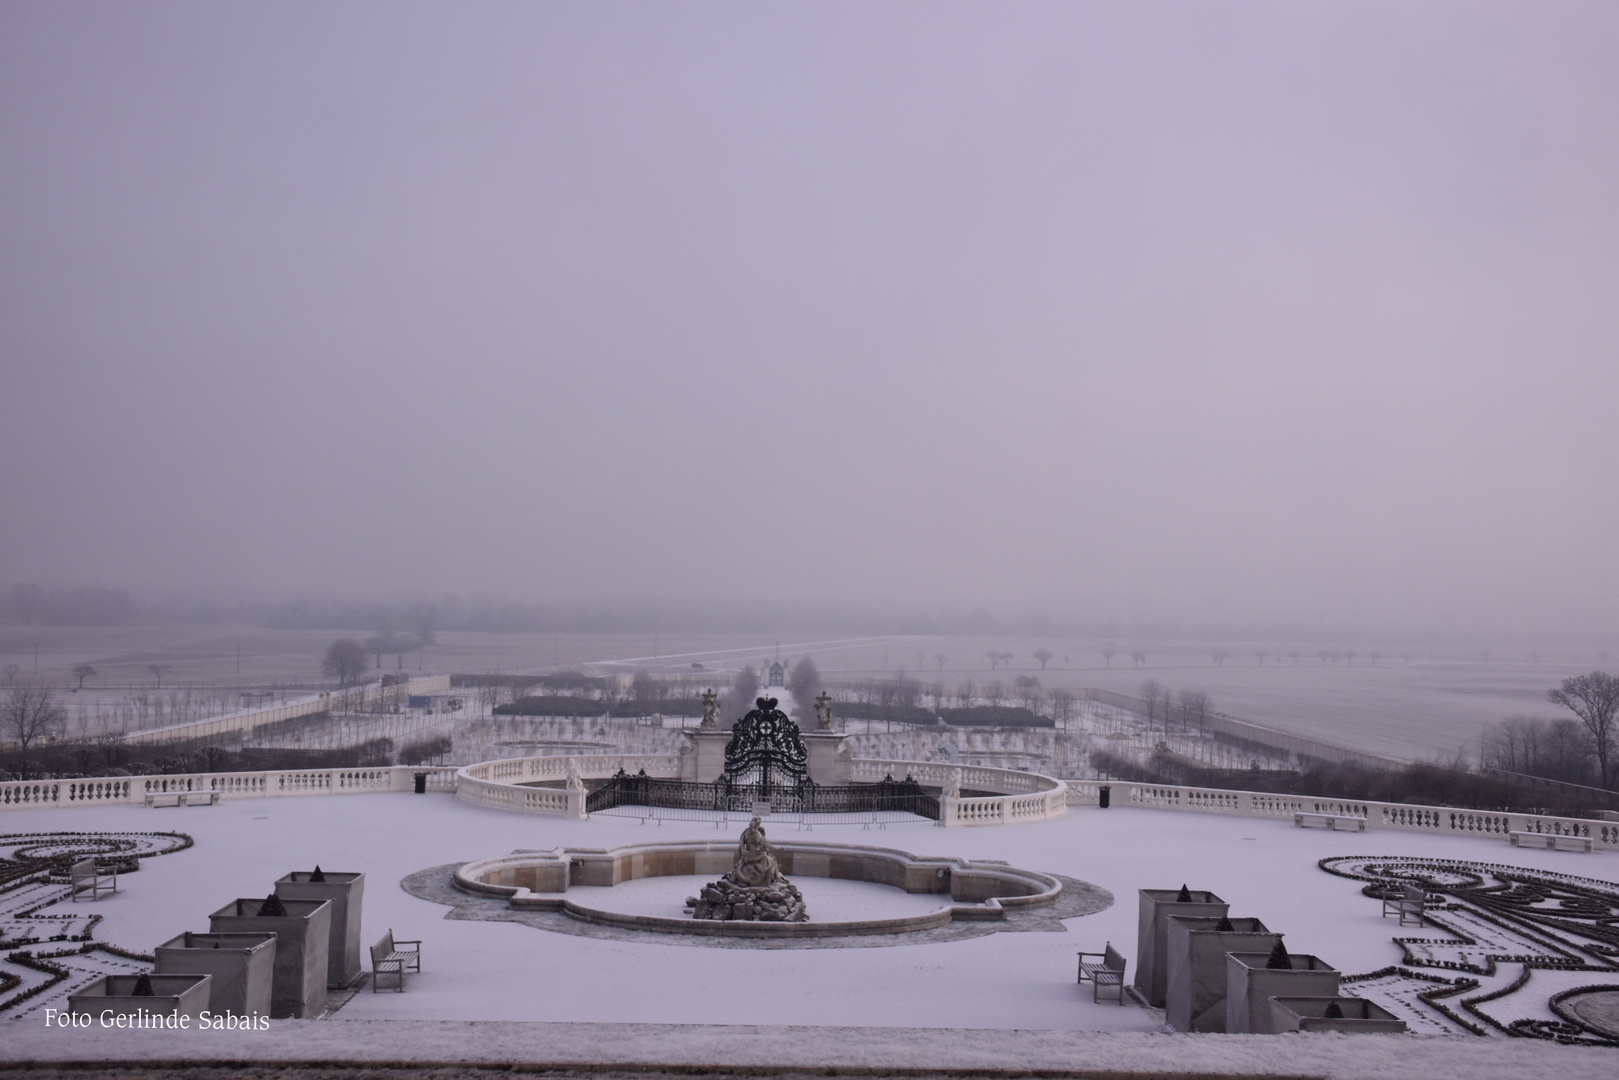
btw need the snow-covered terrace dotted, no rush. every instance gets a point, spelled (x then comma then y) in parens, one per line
(485, 972)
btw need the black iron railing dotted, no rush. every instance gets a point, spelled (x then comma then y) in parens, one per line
(807, 797)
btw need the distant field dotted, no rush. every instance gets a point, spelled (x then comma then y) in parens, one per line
(1434, 705)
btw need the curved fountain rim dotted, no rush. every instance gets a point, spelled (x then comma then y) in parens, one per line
(993, 908)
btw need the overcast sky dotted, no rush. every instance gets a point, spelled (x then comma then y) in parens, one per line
(1233, 313)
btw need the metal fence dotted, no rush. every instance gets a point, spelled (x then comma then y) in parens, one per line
(723, 796)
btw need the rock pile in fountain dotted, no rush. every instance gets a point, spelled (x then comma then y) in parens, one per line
(754, 890)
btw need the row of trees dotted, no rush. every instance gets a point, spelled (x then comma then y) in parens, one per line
(1187, 711)
(1582, 750)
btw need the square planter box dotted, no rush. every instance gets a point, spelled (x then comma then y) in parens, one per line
(302, 938)
(346, 892)
(1250, 985)
(1309, 1014)
(172, 995)
(1152, 949)
(1195, 1000)
(242, 966)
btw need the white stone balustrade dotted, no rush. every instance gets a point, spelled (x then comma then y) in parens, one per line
(1021, 796)
(1443, 820)
(505, 784)
(117, 790)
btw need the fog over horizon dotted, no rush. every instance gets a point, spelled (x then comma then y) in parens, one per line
(1172, 314)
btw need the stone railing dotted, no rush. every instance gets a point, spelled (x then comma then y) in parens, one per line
(1020, 796)
(1440, 820)
(127, 790)
(935, 773)
(504, 784)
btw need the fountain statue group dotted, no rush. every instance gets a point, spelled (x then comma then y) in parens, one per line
(754, 889)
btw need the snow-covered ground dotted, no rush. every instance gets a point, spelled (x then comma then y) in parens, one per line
(504, 971)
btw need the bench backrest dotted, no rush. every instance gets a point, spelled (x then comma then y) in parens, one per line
(382, 949)
(84, 868)
(1112, 959)
(1415, 894)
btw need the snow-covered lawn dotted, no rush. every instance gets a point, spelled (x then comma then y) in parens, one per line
(505, 971)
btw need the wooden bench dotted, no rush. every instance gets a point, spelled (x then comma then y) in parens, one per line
(182, 798)
(1349, 822)
(390, 957)
(1106, 970)
(84, 877)
(1551, 841)
(1408, 903)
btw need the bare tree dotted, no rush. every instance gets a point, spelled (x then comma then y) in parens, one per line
(1594, 698)
(1062, 704)
(82, 672)
(1107, 652)
(391, 645)
(12, 671)
(345, 661)
(158, 671)
(30, 713)
(1194, 709)
(1555, 749)
(647, 693)
(1260, 654)
(965, 693)
(1029, 695)
(1294, 656)
(423, 621)
(1139, 657)
(995, 691)
(1152, 692)
(1218, 656)
(942, 659)
(1044, 656)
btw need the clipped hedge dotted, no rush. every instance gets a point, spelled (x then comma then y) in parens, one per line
(995, 716)
(561, 705)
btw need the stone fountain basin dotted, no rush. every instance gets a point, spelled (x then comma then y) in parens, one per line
(965, 889)
(828, 899)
